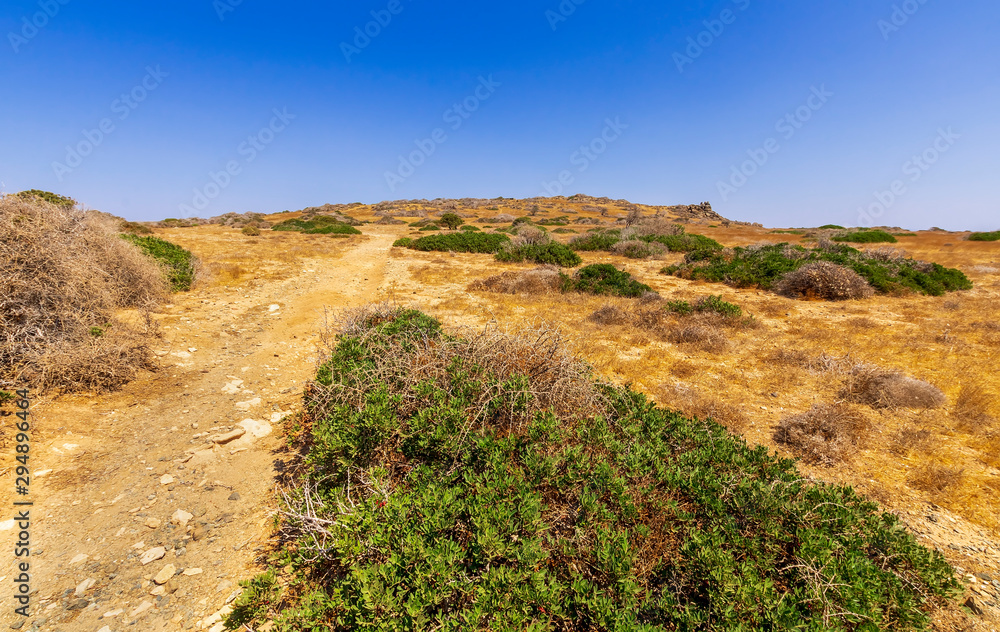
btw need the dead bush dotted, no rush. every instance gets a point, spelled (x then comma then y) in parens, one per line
(972, 408)
(540, 280)
(936, 479)
(65, 277)
(886, 254)
(824, 280)
(907, 440)
(703, 336)
(882, 388)
(638, 249)
(250, 231)
(825, 435)
(530, 236)
(610, 315)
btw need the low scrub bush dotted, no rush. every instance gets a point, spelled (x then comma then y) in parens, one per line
(668, 238)
(994, 236)
(606, 279)
(47, 196)
(705, 336)
(250, 231)
(318, 225)
(451, 220)
(708, 304)
(610, 315)
(866, 237)
(540, 280)
(402, 242)
(638, 249)
(134, 228)
(470, 228)
(64, 273)
(824, 280)
(488, 481)
(763, 265)
(826, 435)
(430, 228)
(831, 227)
(882, 388)
(553, 253)
(459, 241)
(178, 264)
(603, 240)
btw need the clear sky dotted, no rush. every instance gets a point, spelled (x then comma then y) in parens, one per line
(790, 113)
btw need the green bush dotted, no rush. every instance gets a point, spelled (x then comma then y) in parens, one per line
(564, 231)
(451, 220)
(490, 243)
(831, 227)
(47, 196)
(470, 228)
(430, 228)
(994, 236)
(562, 220)
(709, 304)
(553, 253)
(866, 237)
(402, 242)
(604, 278)
(590, 242)
(606, 240)
(255, 602)
(319, 225)
(482, 497)
(177, 263)
(762, 266)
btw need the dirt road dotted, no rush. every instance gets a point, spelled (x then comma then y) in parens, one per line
(148, 474)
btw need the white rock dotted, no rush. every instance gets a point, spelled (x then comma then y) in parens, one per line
(159, 590)
(273, 308)
(7, 525)
(152, 555)
(189, 572)
(247, 405)
(257, 429)
(167, 479)
(181, 518)
(232, 435)
(84, 586)
(165, 574)
(231, 388)
(82, 557)
(106, 628)
(139, 545)
(143, 607)
(277, 417)
(153, 523)
(113, 613)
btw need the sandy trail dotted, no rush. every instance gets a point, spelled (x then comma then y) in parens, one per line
(110, 471)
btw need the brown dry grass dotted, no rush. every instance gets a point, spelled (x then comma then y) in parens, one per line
(827, 434)
(65, 279)
(540, 280)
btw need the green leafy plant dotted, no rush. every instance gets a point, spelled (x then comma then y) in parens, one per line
(177, 263)
(461, 242)
(607, 239)
(451, 220)
(319, 225)
(606, 279)
(48, 196)
(552, 252)
(506, 488)
(763, 266)
(402, 242)
(430, 228)
(6, 398)
(994, 236)
(470, 228)
(252, 606)
(831, 227)
(866, 237)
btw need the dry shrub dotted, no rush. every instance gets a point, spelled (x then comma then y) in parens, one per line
(650, 298)
(638, 249)
(789, 357)
(824, 280)
(65, 277)
(886, 254)
(936, 479)
(907, 440)
(610, 315)
(825, 435)
(530, 236)
(498, 356)
(250, 230)
(704, 336)
(882, 388)
(658, 226)
(540, 280)
(972, 408)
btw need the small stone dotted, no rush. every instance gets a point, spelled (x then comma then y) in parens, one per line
(84, 586)
(188, 572)
(143, 607)
(79, 558)
(973, 607)
(77, 604)
(113, 613)
(17, 625)
(165, 574)
(167, 479)
(200, 532)
(158, 591)
(172, 585)
(106, 628)
(234, 496)
(224, 585)
(152, 555)
(153, 523)
(232, 435)
(181, 518)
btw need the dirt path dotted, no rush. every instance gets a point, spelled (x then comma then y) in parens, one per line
(112, 472)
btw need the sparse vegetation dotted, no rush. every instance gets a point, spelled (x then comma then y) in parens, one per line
(540, 280)
(826, 435)
(176, 262)
(318, 225)
(250, 231)
(653, 232)
(709, 304)
(883, 388)
(866, 237)
(47, 196)
(994, 236)
(824, 280)
(831, 227)
(763, 265)
(504, 481)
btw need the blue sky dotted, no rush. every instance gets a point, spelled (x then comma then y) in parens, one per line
(787, 113)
